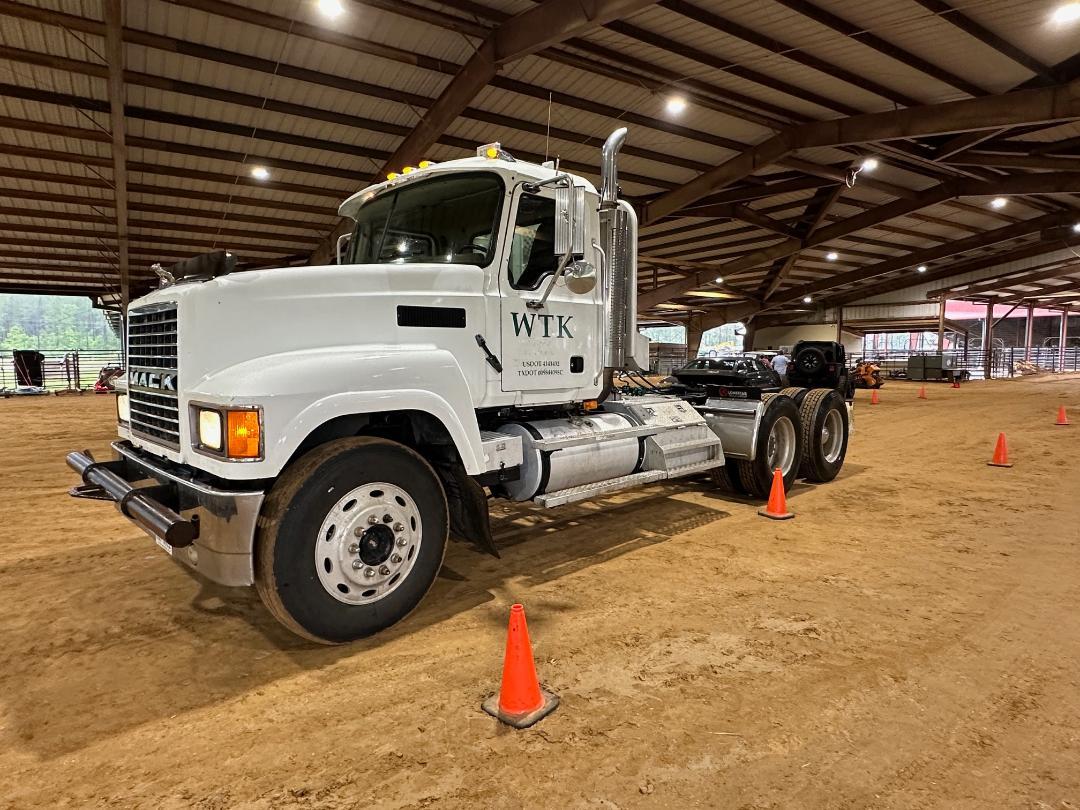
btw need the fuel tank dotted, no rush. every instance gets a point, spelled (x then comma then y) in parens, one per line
(550, 471)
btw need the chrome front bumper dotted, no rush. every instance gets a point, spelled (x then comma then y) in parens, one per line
(208, 529)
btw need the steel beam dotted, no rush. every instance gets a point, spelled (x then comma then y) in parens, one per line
(1041, 105)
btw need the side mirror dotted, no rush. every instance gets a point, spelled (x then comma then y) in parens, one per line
(570, 220)
(580, 277)
(342, 247)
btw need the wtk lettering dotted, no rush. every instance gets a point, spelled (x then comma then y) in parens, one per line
(527, 321)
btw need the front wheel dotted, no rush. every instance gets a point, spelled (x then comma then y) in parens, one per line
(779, 446)
(351, 539)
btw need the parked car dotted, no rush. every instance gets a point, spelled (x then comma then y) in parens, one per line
(707, 371)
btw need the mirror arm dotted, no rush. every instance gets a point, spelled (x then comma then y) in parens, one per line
(554, 280)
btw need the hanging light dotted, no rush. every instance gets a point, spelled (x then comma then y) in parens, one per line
(260, 173)
(1066, 14)
(330, 8)
(998, 202)
(832, 255)
(869, 164)
(807, 299)
(921, 268)
(676, 105)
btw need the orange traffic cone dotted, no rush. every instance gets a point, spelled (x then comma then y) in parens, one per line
(955, 383)
(922, 392)
(521, 700)
(874, 397)
(1062, 419)
(1001, 453)
(777, 506)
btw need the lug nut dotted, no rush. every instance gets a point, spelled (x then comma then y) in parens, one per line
(372, 520)
(353, 548)
(357, 564)
(384, 570)
(358, 531)
(369, 573)
(395, 558)
(403, 541)
(399, 527)
(387, 519)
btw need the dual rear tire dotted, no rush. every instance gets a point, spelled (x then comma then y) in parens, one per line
(803, 433)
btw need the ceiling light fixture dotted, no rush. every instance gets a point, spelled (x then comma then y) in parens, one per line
(331, 8)
(260, 173)
(1076, 228)
(720, 279)
(998, 202)
(1066, 14)
(870, 164)
(676, 105)
(832, 256)
(807, 299)
(921, 268)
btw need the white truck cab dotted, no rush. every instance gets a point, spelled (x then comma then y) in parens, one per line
(320, 431)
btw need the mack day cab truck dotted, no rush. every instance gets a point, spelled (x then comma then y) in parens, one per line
(318, 432)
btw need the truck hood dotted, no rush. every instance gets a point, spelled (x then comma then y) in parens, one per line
(245, 315)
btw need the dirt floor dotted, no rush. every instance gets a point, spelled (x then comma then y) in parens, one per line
(910, 640)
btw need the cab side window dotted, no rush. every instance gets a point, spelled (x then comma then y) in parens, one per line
(532, 251)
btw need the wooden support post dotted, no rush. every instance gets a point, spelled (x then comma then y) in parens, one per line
(840, 325)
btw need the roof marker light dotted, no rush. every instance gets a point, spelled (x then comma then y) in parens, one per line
(408, 170)
(423, 164)
(392, 176)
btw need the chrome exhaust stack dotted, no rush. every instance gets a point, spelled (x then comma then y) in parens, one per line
(618, 235)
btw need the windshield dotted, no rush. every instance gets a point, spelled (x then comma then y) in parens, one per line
(450, 220)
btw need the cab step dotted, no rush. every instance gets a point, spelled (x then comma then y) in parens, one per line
(586, 491)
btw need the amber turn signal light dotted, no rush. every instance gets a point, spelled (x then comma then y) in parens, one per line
(244, 434)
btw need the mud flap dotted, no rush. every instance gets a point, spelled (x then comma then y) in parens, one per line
(467, 504)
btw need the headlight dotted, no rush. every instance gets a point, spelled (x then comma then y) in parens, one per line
(123, 408)
(210, 429)
(232, 433)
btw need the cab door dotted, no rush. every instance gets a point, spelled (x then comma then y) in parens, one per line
(550, 354)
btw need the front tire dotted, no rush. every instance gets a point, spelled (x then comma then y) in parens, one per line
(779, 445)
(350, 539)
(825, 434)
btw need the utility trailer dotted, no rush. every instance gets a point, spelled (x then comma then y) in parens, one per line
(320, 432)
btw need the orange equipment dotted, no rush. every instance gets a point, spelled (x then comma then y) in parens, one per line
(521, 700)
(868, 375)
(777, 509)
(922, 392)
(1001, 453)
(1062, 419)
(874, 400)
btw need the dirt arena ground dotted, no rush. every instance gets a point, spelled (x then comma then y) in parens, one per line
(910, 640)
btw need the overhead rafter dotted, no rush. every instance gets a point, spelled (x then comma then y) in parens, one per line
(530, 31)
(811, 220)
(882, 46)
(114, 53)
(1055, 103)
(988, 37)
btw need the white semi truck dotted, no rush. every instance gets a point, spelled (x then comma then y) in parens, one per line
(319, 432)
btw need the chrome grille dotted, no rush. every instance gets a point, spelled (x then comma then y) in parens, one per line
(152, 373)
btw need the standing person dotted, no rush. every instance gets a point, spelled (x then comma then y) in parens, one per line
(780, 364)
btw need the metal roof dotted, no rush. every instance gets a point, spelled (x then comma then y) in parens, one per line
(213, 88)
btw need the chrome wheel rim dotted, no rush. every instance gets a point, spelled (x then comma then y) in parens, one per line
(832, 436)
(780, 450)
(368, 543)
